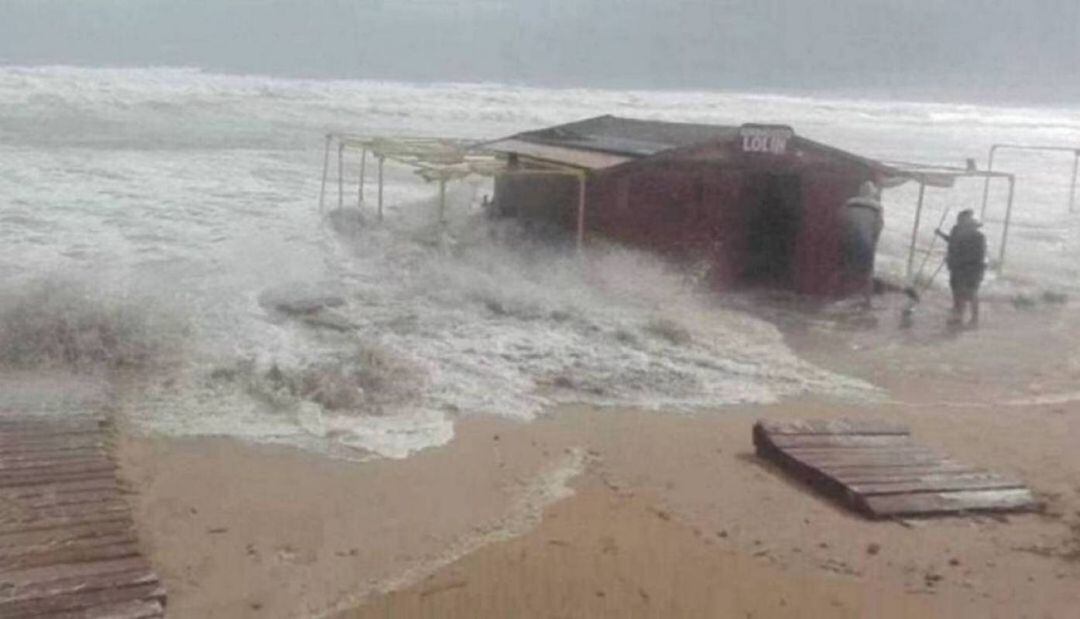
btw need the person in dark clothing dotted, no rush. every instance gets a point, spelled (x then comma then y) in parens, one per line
(966, 259)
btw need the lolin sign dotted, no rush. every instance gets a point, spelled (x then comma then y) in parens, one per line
(767, 139)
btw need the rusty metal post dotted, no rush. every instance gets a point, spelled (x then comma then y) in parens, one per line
(1008, 218)
(381, 161)
(986, 181)
(360, 183)
(1025, 147)
(1072, 187)
(915, 230)
(442, 201)
(325, 170)
(341, 174)
(581, 212)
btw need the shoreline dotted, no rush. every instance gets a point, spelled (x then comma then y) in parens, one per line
(241, 530)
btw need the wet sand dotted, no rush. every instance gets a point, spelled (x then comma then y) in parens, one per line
(665, 514)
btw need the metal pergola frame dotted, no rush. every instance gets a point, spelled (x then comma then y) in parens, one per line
(945, 176)
(436, 159)
(1064, 149)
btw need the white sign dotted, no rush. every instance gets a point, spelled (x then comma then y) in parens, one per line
(771, 140)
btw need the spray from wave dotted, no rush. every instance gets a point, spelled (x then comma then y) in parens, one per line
(207, 183)
(366, 380)
(58, 323)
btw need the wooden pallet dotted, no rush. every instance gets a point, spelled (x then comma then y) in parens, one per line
(877, 469)
(67, 541)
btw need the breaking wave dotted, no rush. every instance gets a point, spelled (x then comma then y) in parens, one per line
(199, 191)
(57, 323)
(366, 380)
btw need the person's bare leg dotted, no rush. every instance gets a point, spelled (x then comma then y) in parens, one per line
(974, 309)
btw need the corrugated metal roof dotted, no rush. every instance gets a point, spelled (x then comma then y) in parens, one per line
(627, 136)
(574, 157)
(607, 141)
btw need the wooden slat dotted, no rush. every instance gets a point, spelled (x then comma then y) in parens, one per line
(13, 481)
(62, 573)
(45, 545)
(11, 542)
(136, 609)
(60, 468)
(102, 580)
(878, 469)
(59, 487)
(925, 504)
(897, 474)
(941, 484)
(53, 499)
(834, 427)
(120, 548)
(54, 456)
(30, 515)
(48, 524)
(911, 451)
(837, 441)
(98, 461)
(9, 441)
(50, 426)
(870, 460)
(57, 445)
(78, 601)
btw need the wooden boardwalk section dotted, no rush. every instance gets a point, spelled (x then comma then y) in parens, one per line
(879, 470)
(67, 542)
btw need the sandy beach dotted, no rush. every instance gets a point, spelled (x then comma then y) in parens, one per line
(341, 379)
(607, 512)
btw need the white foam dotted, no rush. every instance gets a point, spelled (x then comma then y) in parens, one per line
(200, 190)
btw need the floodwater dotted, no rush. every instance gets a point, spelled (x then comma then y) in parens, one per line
(149, 218)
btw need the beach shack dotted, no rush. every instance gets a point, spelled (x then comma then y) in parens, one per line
(758, 205)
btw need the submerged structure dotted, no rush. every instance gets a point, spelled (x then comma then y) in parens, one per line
(758, 204)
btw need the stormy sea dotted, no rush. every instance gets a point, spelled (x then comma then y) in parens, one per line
(161, 244)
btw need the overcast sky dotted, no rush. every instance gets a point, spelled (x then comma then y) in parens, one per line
(1020, 50)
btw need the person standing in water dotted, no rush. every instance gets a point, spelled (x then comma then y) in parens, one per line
(966, 260)
(863, 221)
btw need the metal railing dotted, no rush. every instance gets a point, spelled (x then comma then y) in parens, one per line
(436, 159)
(934, 175)
(1062, 149)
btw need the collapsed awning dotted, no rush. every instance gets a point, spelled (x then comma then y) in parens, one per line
(935, 175)
(432, 158)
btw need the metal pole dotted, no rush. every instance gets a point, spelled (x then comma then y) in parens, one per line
(360, 184)
(933, 242)
(1072, 188)
(1008, 218)
(581, 212)
(341, 175)
(381, 160)
(915, 230)
(986, 182)
(442, 201)
(325, 171)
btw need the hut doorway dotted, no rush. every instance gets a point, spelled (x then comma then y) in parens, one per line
(773, 221)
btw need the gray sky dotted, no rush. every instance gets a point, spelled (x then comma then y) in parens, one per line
(956, 49)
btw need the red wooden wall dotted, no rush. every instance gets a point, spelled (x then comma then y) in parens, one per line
(697, 205)
(701, 211)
